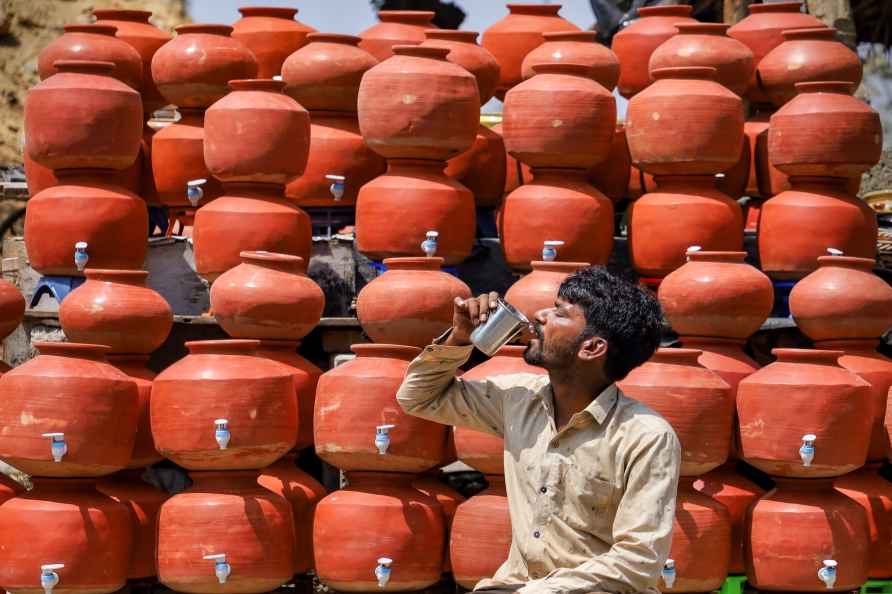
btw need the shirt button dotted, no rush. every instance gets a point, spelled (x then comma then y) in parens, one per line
(536, 534)
(543, 490)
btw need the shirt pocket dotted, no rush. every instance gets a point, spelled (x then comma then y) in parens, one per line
(590, 502)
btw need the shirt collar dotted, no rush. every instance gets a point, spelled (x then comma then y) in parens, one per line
(598, 408)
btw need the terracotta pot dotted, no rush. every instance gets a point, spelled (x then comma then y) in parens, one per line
(418, 106)
(820, 398)
(143, 501)
(538, 289)
(483, 451)
(12, 308)
(397, 27)
(178, 158)
(701, 541)
(59, 134)
(93, 42)
(701, 215)
(449, 499)
(517, 34)
(66, 521)
(133, 27)
(528, 219)
(324, 74)
(762, 31)
(194, 68)
(135, 367)
(481, 168)
(345, 426)
(268, 295)
(395, 211)
(68, 388)
(695, 401)
(667, 137)
(736, 493)
(305, 375)
(874, 493)
(464, 51)
(707, 44)
(612, 176)
(256, 134)
(516, 173)
(797, 525)
(338, 149)
(808, 54)
(116, 308)
(225, 513)
(481, 534)
(559, 118)
(248, 217)
(716, 294)
(379, 515)
(825, 131)
(224, 379)
(797, 226)
(755, 130)
(40, 178)
(733, 182)
(635, 44)
(577, 47)
(416, 321)
(272, 34)
(303, 492)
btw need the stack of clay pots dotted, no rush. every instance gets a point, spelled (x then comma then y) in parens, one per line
(272, 34)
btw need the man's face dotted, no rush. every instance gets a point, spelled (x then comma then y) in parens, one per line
(558, 335)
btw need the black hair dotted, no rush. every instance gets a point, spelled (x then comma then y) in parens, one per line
(627, 316)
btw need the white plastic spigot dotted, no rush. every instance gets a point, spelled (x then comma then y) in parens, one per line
(549, 250)
(81, 257)
(691, 250)
(382, 571)
(58, 447)
(382, 438)
(827, 573)
(194, 191)
(221, 433)
(834, 252)
(429, 245)
(668, 574)
(49, 579)
(277, 77)
(337, 185)
(222, 569)
(807, 449)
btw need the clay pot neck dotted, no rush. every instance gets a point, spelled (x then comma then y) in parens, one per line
(406, 17)
(387, 480)
(808, 356)
(274, 261)
(414, 263)
(276, 12)
(452, 35)
(535, 9)
(422, 51)
(269, 344)
(819, 33)
(849, 262)
(386, 351)
(704, 343)
(668, 182)
(260, 190)
(582, 36)
(818, 183)
(850, 346)
(419, 166)
(839, 87)
(775, 8)
(120, 14)
(336, 38)
(549, 174)
(685, 73)
(669, 356)
(724, 257)
(792, 484)
(96, 67)
(565, 68)
(75, 350)
(135, 278)
(223, 481)
(223, 347)
(717, 29)
(94, 28)
(670, 10)
(268, 85)
(43, 485)
(556, 266)
(205, 29)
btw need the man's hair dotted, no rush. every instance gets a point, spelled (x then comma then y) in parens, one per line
(627, 316)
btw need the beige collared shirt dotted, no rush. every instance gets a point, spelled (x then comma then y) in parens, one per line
(592, 505)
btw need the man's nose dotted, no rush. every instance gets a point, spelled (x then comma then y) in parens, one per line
(541, 316)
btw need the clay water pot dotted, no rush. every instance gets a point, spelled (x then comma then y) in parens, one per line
(40, 178)
(256, 134)
(612, 176)
(60, 133)
(268, 295)
(736, 492)
(395, 211)
(93, 42)
(797, 226)
(303, 492)
(825, 131)
(324, 75)
(68, 388)
(701, 541)
(667, 137)
(517, 34)
(248, 217)
(806, 55)
(418, 105)
(12, 308)
(762, 31)
(481, 534)
(133, 27)
(559, 118)
(226, 380)
(820, 398)
(464, 51)
(530, 217)
(178, 158)
(225, 513)
(396, 27)
(733, 182)
(635, 44)
(66, 521)
(755, 130)
(136, 368)
(116, 308)
(483, 451)
(874, 493)
(378, 515)
(415, 321)
(448, 498)
(516, 173)
(716, 294)
(695, 401)
(701, 215)
(538, 289)
(143, 501)
(482, 168)
(272, 34)
(707, 44)
(794, 527)
(345, 425)
(577, 47)
(194, 68)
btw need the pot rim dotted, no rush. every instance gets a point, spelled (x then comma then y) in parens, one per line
(338, 38)
(719, 29)
(94, 28)
(537, 9)
(98, 67)
(685, 72)
(414, 263)
(122, 14)
(810, 33)
(452, 35)
(204, 28)
(282, 12)
(772, 7)
(678, 356)
(580, 36)
(99, 273)
(396, 351)
(421, 51)
(269, 85)
(558, 266)
(225, 346)
(717, 256)
(844, 87)
(272, 257)
(866, 264)
(413, 16)
(666, 10)
(565, 68)
(825, 356)
(71, 349)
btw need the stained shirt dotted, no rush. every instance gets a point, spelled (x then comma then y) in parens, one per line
(592, 504)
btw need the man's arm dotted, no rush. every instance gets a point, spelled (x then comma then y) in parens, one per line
(642, 529)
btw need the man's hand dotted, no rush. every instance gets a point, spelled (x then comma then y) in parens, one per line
(467, 314)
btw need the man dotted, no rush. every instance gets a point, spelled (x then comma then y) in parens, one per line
(591, 475)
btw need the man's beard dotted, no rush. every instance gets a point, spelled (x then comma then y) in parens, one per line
(559, 358)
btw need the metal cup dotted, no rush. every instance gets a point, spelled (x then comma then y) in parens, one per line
(502, 325)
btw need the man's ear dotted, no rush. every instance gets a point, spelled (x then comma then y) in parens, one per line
(592, 348)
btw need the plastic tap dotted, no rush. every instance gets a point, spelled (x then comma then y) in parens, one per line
(549, 250)
(221, 433)
(222, 569)
(382, 571)
(429, 245)
(668, 574)
(807, 450)
(194, 191)
(827, 574)
(58, 447)
(49, 579)
(81, 257)
(382, 438)
(337, 185)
